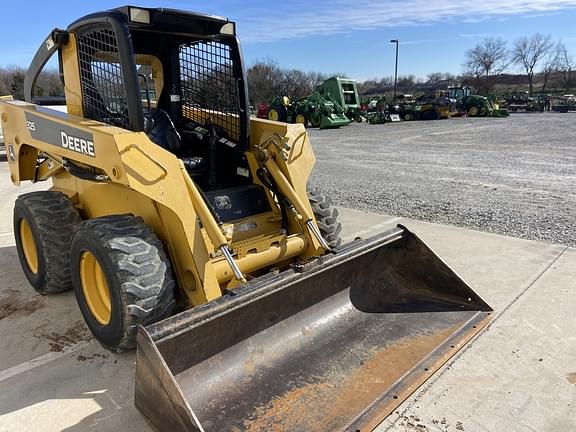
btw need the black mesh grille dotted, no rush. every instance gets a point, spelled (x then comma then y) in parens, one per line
(208, 89)
(103, 93)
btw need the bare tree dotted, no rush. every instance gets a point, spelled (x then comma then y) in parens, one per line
(296, 83)
(12, 82)
(315, 79)
(264, 80)
(551, 63)
(565, 67)
(434, 77)
(49, 84)
(5, 82)
(17, 87)
(438, 77)
(406, 80)
(528, 51)
(485, 62)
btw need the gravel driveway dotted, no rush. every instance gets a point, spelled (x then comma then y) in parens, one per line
(514, 176)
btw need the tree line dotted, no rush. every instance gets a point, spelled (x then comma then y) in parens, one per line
(543, 61)
(491, 62)
(536, 55)
(266, 79)
(12, 82)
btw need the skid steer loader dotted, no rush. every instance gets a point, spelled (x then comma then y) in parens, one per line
(186, 229)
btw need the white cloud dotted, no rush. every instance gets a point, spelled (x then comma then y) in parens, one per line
(301, 18)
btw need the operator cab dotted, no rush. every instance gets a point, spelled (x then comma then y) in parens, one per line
(178, 77)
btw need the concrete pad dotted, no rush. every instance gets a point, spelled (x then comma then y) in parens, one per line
(518, 375)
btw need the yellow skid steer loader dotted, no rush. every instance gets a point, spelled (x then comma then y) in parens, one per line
(187, 229)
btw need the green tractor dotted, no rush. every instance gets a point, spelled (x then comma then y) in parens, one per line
(375, 109)
(474, 105)
(345, 92)
(314, 110)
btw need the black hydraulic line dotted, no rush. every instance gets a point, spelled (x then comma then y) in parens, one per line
(83, 173)
(282, 200)
(213, 150)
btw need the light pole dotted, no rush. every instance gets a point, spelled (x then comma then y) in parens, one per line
(396, 41)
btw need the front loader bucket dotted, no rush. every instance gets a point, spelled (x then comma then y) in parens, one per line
(333, 348)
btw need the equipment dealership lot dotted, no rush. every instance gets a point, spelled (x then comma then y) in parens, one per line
(512, 176)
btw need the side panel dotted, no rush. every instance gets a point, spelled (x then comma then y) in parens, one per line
(26, 125)
(144, 180)
(142, 175)
(299, 161)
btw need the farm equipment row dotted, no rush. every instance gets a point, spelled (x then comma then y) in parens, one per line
(336, 103)
(314, 110)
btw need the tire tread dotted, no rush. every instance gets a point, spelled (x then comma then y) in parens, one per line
(143, 271)
(56, 218)
(326, 217)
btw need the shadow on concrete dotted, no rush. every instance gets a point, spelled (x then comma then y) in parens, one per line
(99, 386)
(88, 380)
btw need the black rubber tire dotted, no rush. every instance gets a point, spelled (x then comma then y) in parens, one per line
(281, 110)
(326, 217)
(473, 111)
(306, 121)
(52, 219)
(315, 121)
(137, 273)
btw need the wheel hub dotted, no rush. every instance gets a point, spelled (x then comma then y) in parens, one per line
(95, 288)
(29, 246)
(273, 115)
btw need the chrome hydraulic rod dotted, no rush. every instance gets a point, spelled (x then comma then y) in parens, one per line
(235, 269)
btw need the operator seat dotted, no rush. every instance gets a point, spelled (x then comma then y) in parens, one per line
(161, 130)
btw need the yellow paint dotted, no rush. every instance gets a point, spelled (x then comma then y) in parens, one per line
(29, 246)
(273, 115)
(228, 122)
(148, 181)
(297, 167)
(157, 70)
(95, 288)
(48, 168)
(274, 254)
(71, 68)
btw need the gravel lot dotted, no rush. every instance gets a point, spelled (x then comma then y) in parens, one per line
(514, 176)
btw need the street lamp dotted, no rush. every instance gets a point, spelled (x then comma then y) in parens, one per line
(396, 41)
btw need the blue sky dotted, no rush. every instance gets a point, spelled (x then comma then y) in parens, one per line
(348, 36)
